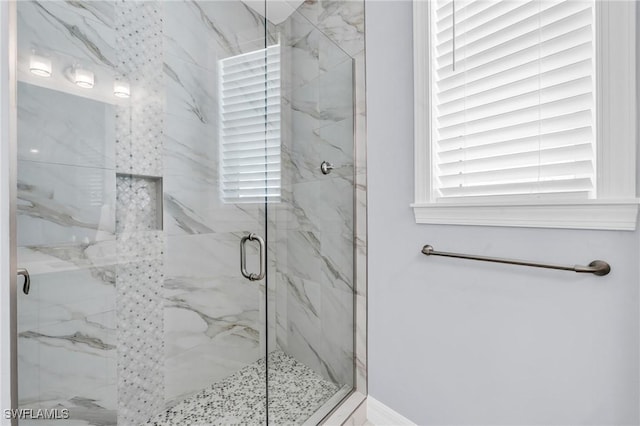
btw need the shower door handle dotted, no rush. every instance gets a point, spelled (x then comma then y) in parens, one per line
(27, 280)
(243, 257)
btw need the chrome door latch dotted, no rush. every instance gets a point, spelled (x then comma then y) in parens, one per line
(27, 280)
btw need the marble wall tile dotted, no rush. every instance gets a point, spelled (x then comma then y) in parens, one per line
(361, 283)
(191, 90)
(213, 316)
(320, 225)
(234, 26)
(336, 93)
(185, 32)
(332, 143)
(66, 234)
(44, 259)
(209, 306)
(206, 31)
(195, 207)
(341, 21)
(81, 30)
(361, 224)
(67, 320)
(64, 204)
(202, 33)
(83, 352)
(191, 149)
(320, 334)
(55, 127)
(63, 296)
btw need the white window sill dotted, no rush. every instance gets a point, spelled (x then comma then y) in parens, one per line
(594, 214)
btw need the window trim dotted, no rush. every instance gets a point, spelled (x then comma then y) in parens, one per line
(616, 206)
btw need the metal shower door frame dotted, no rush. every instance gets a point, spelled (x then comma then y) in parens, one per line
(8, 192)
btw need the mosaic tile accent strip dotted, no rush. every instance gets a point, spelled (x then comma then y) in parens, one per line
(140, 328)
(295, 393)
(140, 124)
(140, 203)
(139, 275)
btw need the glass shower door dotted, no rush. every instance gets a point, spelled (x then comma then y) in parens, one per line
(311, 228)
(144, 159)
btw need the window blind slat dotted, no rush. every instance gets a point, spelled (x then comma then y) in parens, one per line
(575, 136)
(511, 174)
(518, 22)
(482, 82)
(468, 12)
(520, 159)
(529, 129)
(519, 115)
(515, 52)
(582, 185)
(513, 59)
(492, 93)
(249, 169)
(521, 100)
(271, 111)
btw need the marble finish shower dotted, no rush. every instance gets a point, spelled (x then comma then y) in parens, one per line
(160, 135)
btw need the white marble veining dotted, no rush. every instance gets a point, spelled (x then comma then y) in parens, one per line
(80, 366)
(55, 127)
(210, 312)
(202, 33)
(314, 231)
(64, 204)
(85, 32)
(191, 90)
(341, 21)
(361, 224)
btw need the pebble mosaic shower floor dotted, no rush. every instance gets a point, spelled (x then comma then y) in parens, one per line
(295, 393)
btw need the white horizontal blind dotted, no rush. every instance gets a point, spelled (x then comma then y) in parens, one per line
(250, 126)
(513, 99)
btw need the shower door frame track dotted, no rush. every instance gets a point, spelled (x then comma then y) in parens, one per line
(10, 147)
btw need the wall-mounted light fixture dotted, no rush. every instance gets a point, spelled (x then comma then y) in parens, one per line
(83, 78)
(40, 66)
(121, 89)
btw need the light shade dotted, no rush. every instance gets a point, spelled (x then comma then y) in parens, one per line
(121, 89)
(83, 78)
(40, 66)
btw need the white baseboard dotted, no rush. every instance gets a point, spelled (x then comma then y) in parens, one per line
(379, 414)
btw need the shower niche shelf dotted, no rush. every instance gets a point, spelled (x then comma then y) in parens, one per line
(138, 203)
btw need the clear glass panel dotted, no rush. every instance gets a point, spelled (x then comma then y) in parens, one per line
(152, 137)
(138, 309)
(311, 275)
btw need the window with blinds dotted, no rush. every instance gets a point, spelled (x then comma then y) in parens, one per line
(250, 127)
(513, 99)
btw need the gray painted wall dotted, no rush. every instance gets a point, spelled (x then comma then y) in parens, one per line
(459, 342)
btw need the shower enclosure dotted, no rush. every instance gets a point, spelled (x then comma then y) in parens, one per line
(190, 260)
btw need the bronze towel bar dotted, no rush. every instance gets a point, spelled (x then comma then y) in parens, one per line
(597, 267)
